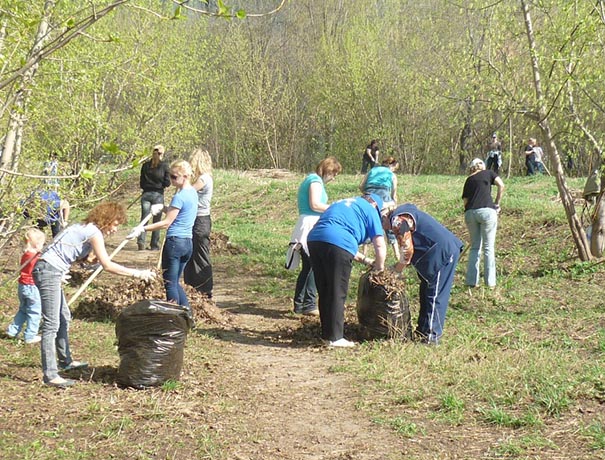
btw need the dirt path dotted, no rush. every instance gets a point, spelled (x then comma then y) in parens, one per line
(290, 404)
(279, 396)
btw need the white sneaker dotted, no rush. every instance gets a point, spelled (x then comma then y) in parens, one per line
(33, 340)
(341, 343)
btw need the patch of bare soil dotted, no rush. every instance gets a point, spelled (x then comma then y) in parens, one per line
(293, 405)
(287, 403)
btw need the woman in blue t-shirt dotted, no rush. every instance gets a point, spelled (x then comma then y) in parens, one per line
(382, 181)
(179, 220)
(312, 202)
(333, 245)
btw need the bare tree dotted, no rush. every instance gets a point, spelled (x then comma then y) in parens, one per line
(541, 117)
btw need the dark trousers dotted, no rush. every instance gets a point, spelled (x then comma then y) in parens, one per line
(198, 271)
(305, 295)
(434, 300)
(55, 227)
(148, 199)
(493, 162)
(332, 269)
(530, 164)
(366, 164)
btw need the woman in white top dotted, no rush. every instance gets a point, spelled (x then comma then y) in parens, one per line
(76, 242)
(198, 271)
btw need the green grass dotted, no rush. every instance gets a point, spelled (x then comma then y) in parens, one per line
(526, 363)
(520, 360)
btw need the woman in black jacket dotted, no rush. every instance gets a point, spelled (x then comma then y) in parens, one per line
(155, 177)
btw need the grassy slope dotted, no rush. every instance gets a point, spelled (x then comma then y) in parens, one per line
(526, 361)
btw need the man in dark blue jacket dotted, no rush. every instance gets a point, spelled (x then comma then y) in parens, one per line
(434, 252)
(48, 209)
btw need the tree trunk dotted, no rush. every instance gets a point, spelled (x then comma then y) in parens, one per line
(598, 216)
(597, 239)
(12, 143)
(575, 224)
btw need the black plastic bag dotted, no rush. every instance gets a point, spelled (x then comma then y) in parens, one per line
(151, 340)
(382, 311)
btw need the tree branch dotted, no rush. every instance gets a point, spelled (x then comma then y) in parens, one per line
(60, 41)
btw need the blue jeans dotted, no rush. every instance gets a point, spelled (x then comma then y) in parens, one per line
(30, 311)
(305, 295)
(175, 256)
(147, 199)
(482, 224)
(56, 317)
(385, 194)
(530, 164)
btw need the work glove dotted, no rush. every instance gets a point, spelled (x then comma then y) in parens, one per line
(65, 278)
(145, 275)
(368, 261)
(157, 209)
(135, 232)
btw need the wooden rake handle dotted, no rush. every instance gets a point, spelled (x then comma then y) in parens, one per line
(100, 268)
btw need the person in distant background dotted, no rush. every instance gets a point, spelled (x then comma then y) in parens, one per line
(481, 218)
(538, 157)
(57, 212)
(51, 168)
(312, 202)
(155, 177)
(48, 209)
(198, 271)
(530, 157)
(494, 154)
(370, 156)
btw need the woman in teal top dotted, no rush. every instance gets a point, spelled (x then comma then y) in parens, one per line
(312, 202)
(382, 181)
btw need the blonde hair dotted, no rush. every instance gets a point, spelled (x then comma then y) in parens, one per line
(328, 166)
(201, 163)
(155, 159)
(33, 239)
(182, 167)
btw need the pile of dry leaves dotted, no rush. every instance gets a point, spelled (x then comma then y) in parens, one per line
(106, 302)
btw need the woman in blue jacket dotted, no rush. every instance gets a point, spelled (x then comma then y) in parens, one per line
(434, 252)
